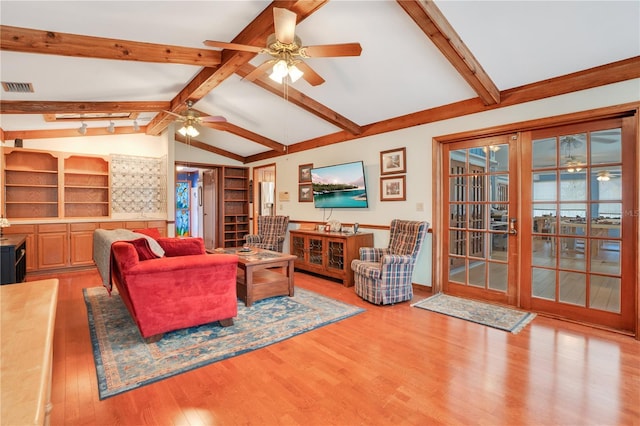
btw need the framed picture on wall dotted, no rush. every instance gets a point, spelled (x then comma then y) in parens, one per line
(305, 193)
(393, 188)
(393, 161)
(304, 173)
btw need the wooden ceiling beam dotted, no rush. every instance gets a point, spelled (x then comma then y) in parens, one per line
(80, 107)
(247, 134)
(209, 148)
(255, 34)
(27, 40)
(68, 133)
(303, 101)
(429, 18)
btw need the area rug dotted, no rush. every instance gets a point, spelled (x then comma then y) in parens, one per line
(125, 362)
(499, 317)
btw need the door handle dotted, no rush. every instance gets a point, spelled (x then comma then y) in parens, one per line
(512, 226)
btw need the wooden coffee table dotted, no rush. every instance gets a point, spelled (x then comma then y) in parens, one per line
(262, 273)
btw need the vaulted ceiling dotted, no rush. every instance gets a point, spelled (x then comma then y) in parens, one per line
(421, 62)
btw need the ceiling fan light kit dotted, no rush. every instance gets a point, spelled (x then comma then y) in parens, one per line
(189, 130)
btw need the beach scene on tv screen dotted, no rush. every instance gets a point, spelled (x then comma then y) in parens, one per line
(339, 186)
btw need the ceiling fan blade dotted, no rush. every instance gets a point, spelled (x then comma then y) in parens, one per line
(259, 70)
(330, 50)
(285, 23)
(312, 77)
(213, 119)
(233, 46)
(174, 114)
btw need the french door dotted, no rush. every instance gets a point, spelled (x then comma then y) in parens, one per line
(578, 195)
(544, 220)
(480, 242)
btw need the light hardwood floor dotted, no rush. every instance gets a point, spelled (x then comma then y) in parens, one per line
(390, 365)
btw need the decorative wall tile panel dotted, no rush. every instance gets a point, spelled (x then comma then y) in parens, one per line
(138, 184)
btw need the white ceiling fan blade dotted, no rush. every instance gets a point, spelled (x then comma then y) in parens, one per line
(285, 24)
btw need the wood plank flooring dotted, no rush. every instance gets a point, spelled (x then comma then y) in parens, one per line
(392, 365)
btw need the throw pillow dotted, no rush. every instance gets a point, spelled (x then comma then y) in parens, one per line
(143, 248)
(155, 247)
(149, 232)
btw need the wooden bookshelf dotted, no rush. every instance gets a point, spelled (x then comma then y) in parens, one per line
(235, 204)
(86, 186)
(43, 184)
(31, 184)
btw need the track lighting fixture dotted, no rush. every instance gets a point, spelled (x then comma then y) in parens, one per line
(111, 128)
(83, 128)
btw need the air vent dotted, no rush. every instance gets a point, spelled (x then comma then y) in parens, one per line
(14, 87)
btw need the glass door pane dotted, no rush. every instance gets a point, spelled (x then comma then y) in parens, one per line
(575, 194)
(479, 206)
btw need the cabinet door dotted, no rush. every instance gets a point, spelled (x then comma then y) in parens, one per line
(336, 254)
(52, 250)
(81, 248)
(315, 251)
(297, 247)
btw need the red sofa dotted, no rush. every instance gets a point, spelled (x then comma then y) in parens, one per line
(184, 288)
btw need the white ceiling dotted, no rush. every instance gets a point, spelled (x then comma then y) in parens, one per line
(399, 72)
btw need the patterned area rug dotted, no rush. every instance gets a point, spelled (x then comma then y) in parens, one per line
(499, 317)
(124, 361)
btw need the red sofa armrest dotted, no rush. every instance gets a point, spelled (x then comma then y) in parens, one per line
(181, 246)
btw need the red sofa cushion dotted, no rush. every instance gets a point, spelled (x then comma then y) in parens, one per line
(182, 246)
(149, 232)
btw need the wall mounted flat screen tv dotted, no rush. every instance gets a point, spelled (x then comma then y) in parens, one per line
(339, 186)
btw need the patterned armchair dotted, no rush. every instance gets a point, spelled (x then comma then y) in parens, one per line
(383, 275)
(271, 233)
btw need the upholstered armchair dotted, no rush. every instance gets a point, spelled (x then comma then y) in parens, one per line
(383, 275)
(272, 231)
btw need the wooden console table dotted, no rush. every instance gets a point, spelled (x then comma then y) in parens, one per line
(328, 253)
(26, 352)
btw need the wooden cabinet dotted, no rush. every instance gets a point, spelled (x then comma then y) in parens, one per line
(53, 246)
(328, 253)
(235, 206)
(48, 184)
(81, 243)
(13, 259)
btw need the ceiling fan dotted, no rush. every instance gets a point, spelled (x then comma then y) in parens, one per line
(192, 117)
(287, 51)
(607, 175)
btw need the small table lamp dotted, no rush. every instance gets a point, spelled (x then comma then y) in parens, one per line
(4, 223)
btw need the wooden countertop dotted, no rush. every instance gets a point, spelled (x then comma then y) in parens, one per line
(28, 312)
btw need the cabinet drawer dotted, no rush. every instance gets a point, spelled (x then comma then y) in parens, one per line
(112, 225)
(83, 227)
(136, 225)
(52, 227)
(20, 229)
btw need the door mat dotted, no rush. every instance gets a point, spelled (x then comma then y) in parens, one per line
(495, 316)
